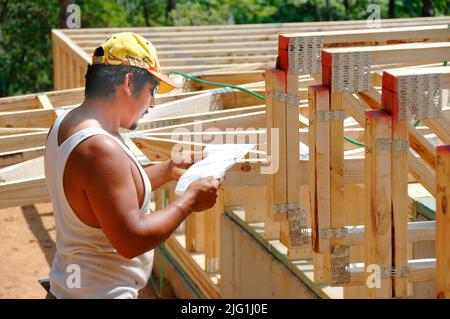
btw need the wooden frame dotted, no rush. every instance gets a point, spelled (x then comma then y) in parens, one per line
(183, 48)
(320, 183)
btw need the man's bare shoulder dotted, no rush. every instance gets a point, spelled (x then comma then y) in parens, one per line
(97, 152)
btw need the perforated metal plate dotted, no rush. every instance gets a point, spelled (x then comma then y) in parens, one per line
(331, 115)
(420, 96)
(298, 230)
(290, 99)
(340, 264)
(304, 55)
(385, 144)
(328, 233)
(399, 272)
(350, 72)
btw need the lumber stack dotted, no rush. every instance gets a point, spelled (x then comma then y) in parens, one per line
(196, 49)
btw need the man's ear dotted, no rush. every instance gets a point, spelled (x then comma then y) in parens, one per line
(127, 84)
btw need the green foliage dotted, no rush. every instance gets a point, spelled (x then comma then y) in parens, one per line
(26, 51)
(200, 13)
(25, 26)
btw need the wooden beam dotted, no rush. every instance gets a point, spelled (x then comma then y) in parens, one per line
(319, 187)
(212, 234)
(44, 102)
(373, 36)
(18, 142)
(416, 166)
(419, 270)
(399, 162)
(443, 222)
(395, 53)
(337, 216)
(29, 118)
(18, 156)
(193, 270)
(24, 192)
(275, 124)
(378, 213)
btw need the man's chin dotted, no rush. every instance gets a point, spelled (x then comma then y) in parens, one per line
(134, 126)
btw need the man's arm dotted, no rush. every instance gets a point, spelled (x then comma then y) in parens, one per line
(159, 174)
(106, 177)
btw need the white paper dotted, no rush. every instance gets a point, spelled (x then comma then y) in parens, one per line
(220, 157)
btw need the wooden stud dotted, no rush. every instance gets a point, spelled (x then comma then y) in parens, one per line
(443, 222)
(319, 177)
(399, 186)
(212, 235)
(275, 123)
(378, 213)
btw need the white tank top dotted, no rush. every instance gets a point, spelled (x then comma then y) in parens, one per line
(86, 265)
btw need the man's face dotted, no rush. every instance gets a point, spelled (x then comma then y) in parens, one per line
(141, 104)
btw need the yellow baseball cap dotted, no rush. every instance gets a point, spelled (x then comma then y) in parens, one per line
(129, 48)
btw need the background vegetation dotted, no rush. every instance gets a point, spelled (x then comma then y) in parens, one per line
(25, 26)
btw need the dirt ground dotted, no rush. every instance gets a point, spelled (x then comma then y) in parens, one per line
(27, 247)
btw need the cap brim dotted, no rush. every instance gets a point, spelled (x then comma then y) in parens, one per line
(166, 84)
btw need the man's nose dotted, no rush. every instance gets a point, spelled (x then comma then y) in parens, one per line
(152, 103)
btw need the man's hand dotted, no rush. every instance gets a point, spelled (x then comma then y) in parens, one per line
(204, 193)
(180, 162)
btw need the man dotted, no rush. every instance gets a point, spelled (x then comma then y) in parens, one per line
(105, 233)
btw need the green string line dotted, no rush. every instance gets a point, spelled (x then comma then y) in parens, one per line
(259, 96)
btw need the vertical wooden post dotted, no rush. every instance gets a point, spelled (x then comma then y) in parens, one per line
(195, 232)
(159, 198)
(377, 225)
(292, 156)
(212, 235)
(82, 72)
(443, 222)
(399, 166)
(319, 175)
(255, 206)
(63, 69)
(276, 182)
(74, 71)
(336, 171)
(337, 218)
(189, 232)
(56, 59)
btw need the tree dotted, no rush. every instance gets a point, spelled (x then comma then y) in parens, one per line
(391, 9)
(171, 5)
(63, 14)
(26, 59)
(427, 10)
(25, 26)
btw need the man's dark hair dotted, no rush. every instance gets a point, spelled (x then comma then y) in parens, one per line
(101, 80)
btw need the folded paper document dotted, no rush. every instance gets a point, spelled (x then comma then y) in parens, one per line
(219, 158)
